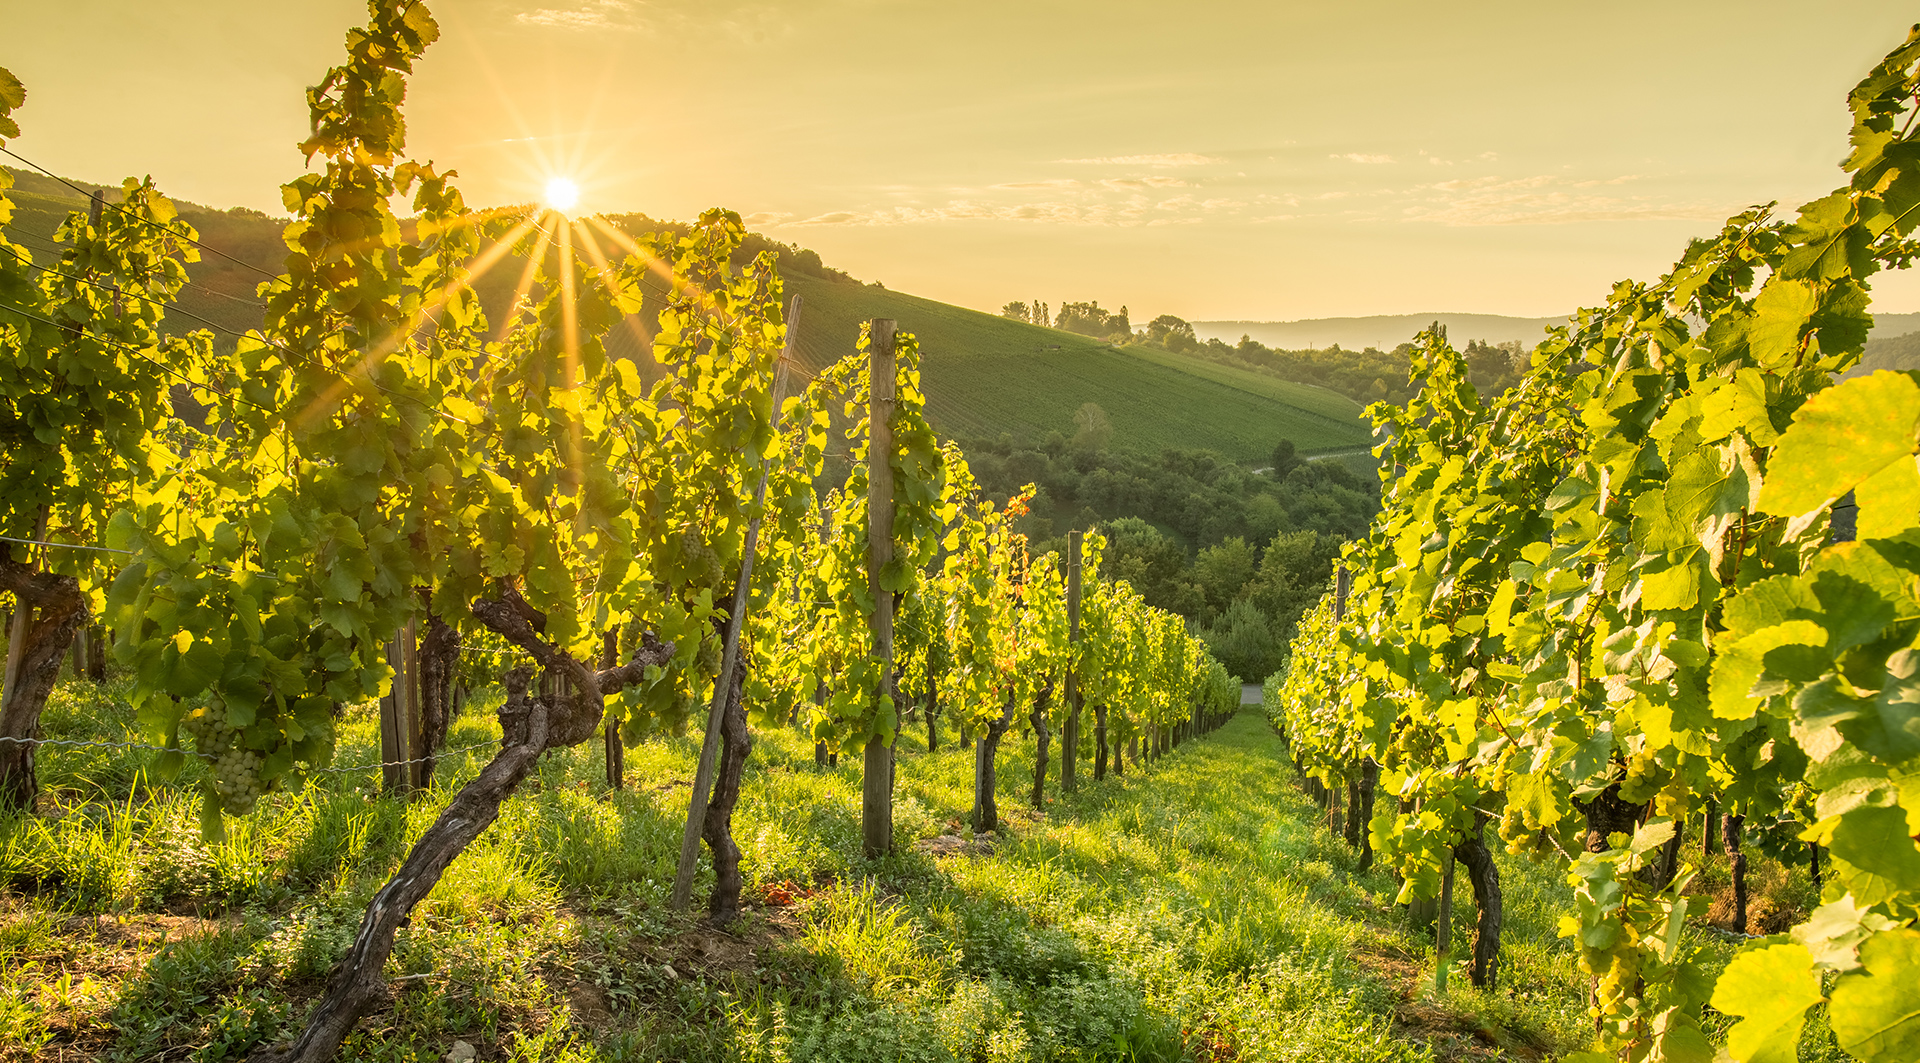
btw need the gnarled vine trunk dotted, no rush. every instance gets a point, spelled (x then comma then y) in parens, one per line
(1731, 827)
(1472, 853)
(1607, 814)
(1043, 740)
(986, 810)
(1099, 742)
(735, 743)
(439, 656)
(933, 727)
(530, 725)
(1369, 784)
(50, 609)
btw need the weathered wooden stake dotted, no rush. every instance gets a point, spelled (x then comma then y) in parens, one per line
(616, 751)
(402, 739)
(729, 653)
(876, 807)
(22, 621)
(1443, 928)
(1070, 734)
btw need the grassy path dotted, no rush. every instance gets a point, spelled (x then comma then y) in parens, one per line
(1193, 910)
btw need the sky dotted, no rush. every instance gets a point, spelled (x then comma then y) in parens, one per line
(1269, 160)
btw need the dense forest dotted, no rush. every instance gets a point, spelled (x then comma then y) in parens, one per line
(1240, 552)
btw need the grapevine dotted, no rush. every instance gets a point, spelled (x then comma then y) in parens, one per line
(1596, 603)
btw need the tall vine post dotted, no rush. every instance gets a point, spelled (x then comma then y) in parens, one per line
(726, 720)
(1070, 733)
(876, 783)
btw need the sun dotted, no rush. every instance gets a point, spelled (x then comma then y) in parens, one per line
(562, 194)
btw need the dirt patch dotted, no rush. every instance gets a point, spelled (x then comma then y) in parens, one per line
(954, 845)
(1458, 1037)
(589, 1004)
(1452, 1035)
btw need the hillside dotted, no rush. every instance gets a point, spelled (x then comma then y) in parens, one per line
(984, 375)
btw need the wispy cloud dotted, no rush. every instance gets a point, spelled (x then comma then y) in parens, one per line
(768, 217)
(1141, 184)
(1182, 158)
(617, 15)
(1365, 160)
(1058, 212)
(1049, 184)
(750, 22)
(1546, 199)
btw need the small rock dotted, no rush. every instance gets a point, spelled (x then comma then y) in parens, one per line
(461, 1052)
(671, 973)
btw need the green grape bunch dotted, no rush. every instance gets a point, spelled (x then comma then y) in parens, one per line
(236, 781)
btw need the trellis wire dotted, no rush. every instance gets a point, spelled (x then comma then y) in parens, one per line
(85, 744)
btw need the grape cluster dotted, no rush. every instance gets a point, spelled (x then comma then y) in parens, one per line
(701, 560)
(236, 769)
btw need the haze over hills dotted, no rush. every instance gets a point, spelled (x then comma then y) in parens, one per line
(1387, 331)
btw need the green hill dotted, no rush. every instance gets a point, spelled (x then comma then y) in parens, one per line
(984, 375)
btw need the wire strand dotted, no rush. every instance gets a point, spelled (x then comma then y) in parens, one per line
(86, 744)
(138, 218)
(69, 546)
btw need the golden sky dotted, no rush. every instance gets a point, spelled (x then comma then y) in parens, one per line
(1252, 160)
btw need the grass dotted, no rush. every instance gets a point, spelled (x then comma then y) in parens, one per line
(1194, 910)
(1315, 400)
(985, 375)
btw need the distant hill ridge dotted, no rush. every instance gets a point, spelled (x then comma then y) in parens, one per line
(1387, 331)
(1384, 331)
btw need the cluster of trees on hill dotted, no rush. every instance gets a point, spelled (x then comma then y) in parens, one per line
(1366, 376)
(1087, 319)
(1239, 552)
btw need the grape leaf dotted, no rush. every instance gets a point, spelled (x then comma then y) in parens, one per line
(1772, 987)
(1876, 1013)
(1840, 438)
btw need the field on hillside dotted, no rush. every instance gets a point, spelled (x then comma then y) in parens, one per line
(1194, 910)
(985, 375)
(1329, 404)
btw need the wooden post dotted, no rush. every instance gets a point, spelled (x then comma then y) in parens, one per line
(97, 654)
(22, 623)
(16, 643)
(402, 743)
(729, 652)
(1443, 929)
(420, 771)
(77, 654)
(1342, 585)
(616, 752)
(876, 807)
(1070, 735)
(393, 745)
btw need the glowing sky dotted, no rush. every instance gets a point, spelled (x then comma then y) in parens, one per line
(1259, 160)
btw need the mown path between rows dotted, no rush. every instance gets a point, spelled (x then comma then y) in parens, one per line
(1197, 910)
